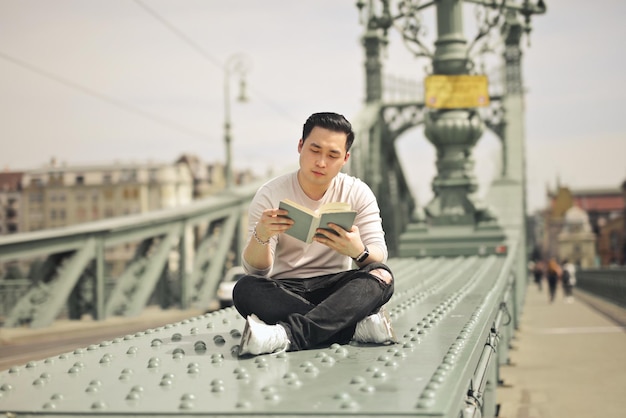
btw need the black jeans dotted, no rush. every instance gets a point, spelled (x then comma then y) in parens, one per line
(317, 310)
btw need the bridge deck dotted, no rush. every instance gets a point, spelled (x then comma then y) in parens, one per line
(567, 360)
(189, 367)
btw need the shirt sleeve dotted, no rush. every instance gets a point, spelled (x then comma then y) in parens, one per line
(368, 219)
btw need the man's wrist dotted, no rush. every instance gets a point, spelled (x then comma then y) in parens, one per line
(363, 255)
(260, 239)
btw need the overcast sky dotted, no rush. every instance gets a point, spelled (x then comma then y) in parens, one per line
(95, 81)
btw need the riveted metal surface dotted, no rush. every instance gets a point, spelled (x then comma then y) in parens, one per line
(190, 367)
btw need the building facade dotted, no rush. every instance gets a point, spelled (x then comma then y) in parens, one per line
(57, 196)
(10, 199)
(604, 209)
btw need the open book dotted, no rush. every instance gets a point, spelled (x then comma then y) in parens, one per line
(307, 221)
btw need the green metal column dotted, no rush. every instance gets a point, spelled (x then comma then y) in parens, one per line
(514, 146)
(457, 223)
(99, 288)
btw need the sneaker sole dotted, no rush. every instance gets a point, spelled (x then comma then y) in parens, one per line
(392, 334)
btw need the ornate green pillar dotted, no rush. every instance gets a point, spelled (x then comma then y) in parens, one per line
(455, 223)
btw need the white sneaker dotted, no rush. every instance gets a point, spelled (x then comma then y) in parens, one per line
(375, 328)
(260, 338)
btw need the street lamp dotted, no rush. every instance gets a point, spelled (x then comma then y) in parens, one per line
(239, 65)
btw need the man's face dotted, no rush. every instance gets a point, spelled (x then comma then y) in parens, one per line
(322, 155)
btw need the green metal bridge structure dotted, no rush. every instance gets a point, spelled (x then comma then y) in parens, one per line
(460, 266)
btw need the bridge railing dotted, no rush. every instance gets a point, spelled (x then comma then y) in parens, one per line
(609, 284)
(173, 257)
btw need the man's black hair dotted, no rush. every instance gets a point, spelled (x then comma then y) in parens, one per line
(331, 121)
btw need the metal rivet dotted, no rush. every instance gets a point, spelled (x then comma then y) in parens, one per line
(186, 405)
(242, 405)
(352, 405)
(74, 370)
(106, 359)
(98, 405)
(199, 346)
(357, 380)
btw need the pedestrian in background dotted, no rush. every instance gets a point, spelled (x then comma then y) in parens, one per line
(537, 271)
(553, 274)
(568, 278)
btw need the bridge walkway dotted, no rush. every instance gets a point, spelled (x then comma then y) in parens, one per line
(566, 360)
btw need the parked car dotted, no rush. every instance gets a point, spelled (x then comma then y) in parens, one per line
(225, 288)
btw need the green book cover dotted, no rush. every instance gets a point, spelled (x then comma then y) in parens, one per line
(307, 221)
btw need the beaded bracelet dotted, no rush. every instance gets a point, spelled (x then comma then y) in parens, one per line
(259, 240)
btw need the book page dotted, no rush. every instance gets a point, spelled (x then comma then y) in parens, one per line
(335, 207)
(303, 221)
(343, 219)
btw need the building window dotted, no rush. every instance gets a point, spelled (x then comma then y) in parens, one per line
(614, 241)
(80, 179)
(128, 175)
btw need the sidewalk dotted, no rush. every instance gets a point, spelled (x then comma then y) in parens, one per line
(64, 328)
(567, 360)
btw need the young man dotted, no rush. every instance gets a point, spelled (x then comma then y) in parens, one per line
(298, 296)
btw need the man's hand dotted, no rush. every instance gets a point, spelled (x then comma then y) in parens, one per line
(344, 242)
(272, 222)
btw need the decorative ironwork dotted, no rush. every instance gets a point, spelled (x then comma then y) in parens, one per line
(399, 118)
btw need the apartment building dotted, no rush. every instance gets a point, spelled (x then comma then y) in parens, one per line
(60, 195)
(10, 197)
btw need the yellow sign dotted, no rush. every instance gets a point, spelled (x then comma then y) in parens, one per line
(456, 91)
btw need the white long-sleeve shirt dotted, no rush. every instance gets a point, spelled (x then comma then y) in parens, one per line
(296, 259)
